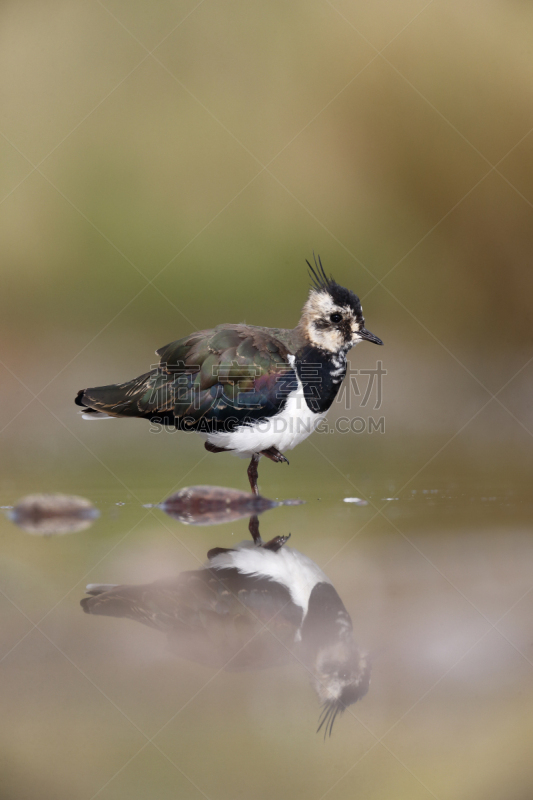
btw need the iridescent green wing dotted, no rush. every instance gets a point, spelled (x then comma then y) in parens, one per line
(233, 371)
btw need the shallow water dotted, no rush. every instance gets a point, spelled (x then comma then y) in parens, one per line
(437, 580)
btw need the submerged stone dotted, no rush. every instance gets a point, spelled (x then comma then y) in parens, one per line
(214, 505)
(46, 514)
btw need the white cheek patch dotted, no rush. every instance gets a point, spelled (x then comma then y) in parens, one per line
(319, 305)
(328, 340)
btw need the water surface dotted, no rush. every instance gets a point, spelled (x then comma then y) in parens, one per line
(436, 577)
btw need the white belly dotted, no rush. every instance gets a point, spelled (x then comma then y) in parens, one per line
(287, 566)
(284, 431)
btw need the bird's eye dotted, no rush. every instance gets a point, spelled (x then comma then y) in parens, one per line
(336, 317)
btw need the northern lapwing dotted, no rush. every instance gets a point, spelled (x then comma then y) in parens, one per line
(248, 390)
(252, 607)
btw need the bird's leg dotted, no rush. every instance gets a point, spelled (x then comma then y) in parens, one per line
(274, 455)
(253, 527)
(252, 473)
(276, 543)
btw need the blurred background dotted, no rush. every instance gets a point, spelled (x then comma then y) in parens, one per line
(167, 167)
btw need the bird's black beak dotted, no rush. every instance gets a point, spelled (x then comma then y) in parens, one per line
(369, 337)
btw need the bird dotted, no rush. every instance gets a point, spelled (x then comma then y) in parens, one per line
(252, 607)
(252, 391)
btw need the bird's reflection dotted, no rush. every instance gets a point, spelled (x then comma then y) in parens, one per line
(253, 606)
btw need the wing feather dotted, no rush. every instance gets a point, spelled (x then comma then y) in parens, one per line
(232, 374)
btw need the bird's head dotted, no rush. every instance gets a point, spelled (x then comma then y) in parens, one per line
(341, 677)
(332, 318)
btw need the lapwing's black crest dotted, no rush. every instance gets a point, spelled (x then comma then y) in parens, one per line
(341, 296)
(319, 279)
(350, 695)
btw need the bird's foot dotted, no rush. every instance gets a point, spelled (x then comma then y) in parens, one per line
(213, 448)
(217, 551)
(276, 543)
(274, 455)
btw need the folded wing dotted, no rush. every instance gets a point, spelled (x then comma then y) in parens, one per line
(231, 374)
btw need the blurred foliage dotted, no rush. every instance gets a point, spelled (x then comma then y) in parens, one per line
(171, 169)
(168, 169)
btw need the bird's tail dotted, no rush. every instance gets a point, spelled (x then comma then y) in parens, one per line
(140, 603)
(115, 400)
(108, 599)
